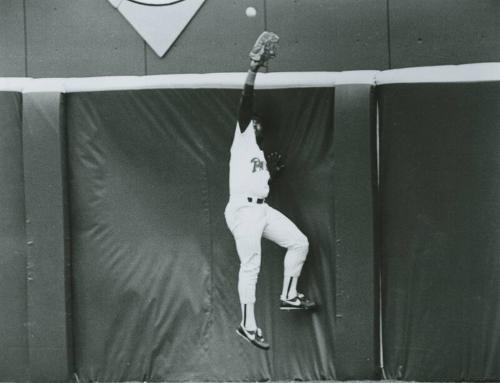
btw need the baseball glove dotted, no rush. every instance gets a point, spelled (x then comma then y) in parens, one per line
(265, 48)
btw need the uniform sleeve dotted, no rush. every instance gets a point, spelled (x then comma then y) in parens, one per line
(246, 107)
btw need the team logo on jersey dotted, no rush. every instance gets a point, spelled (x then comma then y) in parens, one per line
(258, 165)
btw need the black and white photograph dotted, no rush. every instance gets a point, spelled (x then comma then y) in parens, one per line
(249, 191)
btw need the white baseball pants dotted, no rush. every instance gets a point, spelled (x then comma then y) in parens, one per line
(249, 222)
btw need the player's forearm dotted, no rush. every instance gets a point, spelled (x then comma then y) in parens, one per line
(246, 100)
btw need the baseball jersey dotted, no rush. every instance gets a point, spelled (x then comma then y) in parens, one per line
(248, 174)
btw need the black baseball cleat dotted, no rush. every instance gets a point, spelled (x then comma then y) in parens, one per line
(254, 337)
(300, 302)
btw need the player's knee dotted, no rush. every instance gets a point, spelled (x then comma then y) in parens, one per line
(302, 245)
(251, 266)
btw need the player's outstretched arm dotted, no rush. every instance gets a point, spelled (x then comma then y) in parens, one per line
(246, 100)
(264, 49)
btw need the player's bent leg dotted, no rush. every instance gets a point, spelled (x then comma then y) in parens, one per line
(282, 231)
(290, 298)
(285, 233)
(296, 255)
(294, 260)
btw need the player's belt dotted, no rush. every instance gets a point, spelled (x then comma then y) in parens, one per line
(256, 200)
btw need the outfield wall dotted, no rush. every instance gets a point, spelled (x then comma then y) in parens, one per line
(124, 268)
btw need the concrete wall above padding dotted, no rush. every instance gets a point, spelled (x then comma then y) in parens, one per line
(428, 32)
(329, 35)
(80, 38)
(13, 317)
(217, 39)
(12, 54)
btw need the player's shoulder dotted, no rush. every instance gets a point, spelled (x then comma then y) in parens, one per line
(243, 129)
(240, 135)
(242, 141)
(247, 131)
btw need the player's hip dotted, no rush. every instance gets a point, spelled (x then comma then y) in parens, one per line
(246, 210)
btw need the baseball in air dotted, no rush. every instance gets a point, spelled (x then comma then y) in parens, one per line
(251, 12)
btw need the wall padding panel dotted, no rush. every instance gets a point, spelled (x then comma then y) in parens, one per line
(440, 226)
(49, 327)
(155, 266)
(13, 317)
(356, 338)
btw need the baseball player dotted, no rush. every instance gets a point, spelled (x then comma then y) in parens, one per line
(247, 214)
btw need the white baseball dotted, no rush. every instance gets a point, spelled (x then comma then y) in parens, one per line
(251, 12)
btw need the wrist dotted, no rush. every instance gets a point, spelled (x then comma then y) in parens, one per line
(254, 66)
